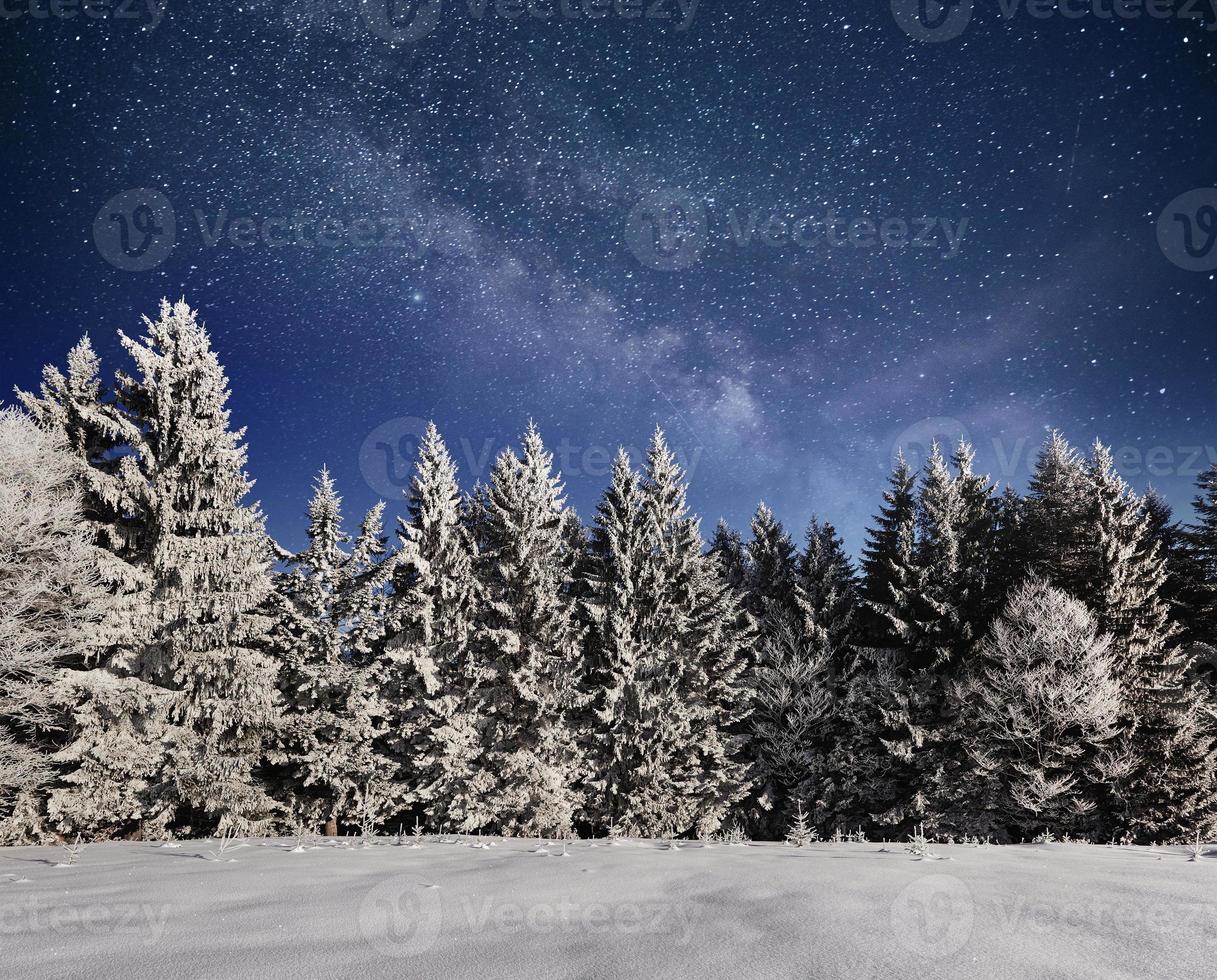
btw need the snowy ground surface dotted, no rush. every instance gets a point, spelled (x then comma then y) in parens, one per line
(514, 908)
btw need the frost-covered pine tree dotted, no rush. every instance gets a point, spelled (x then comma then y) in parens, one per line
(113, 752)
(431, 675)
(887, 549)
(771, 571)
(1054, 517)
(623, 696)
(668, 657)
(693, 639)
(1200, 537)
(209, 560)
(792, 723)
(1040, 704)
(531, 642)
(829, 585)
(50, 601)
(1125, 574)
(325, 609)
(728, 546)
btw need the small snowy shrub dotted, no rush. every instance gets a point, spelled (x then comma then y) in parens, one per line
(799, 833)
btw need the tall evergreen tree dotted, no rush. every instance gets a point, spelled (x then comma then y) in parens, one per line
(1200, 538)
(50, 599)
(829, 584)
(623, 699)
(432, 676)
(771, 569)
(728, 546)
(114, 752)
(1041, 705)
(792, 723)
(532, 645)
(1055, 516)
(209, 560)
(888, 550)
(322, 626)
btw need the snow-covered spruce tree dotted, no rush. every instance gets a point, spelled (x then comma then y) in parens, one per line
(209, 560)
(623, 698)
(1200, 538)
(113, 751)
(1040, 704)
(830, 586)
(667, 661)
(692, 635)
(50, 600)
(933, 571)
(728, 547)
(324, 610)
(792, 723)
(531, 645)
(431, 675)
(771, 571)
(1172, 792)
(1009, 560)
(978, 600)
(1055, 517)
(875, 759)
(877, 756)
(888, 546)
(1125, 574)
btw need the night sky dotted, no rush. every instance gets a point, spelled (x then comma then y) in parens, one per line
(482, 219)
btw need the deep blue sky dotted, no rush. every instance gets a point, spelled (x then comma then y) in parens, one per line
(525, 145)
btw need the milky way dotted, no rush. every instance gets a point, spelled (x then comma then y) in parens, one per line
(796, 235)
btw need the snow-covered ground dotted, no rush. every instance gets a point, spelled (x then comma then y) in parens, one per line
(515, 908)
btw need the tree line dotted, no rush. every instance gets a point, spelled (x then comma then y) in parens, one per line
(998, 665)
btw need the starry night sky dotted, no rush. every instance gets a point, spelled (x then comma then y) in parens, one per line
(519, 157)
